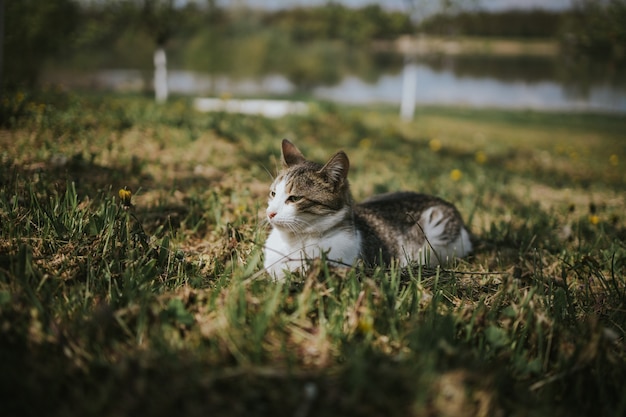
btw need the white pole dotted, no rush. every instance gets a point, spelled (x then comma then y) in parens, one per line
(160, 75)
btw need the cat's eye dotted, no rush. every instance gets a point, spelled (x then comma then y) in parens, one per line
(272, 194)
(294, 198)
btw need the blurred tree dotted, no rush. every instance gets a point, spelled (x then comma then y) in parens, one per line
(355, 26)
(33, 32)
(1, 40)
(160, 18)
(597, 28)
(106, 22)
(510, 23)
(420, 10)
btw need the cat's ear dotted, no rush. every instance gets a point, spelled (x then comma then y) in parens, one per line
(291, 154)
(336, 169)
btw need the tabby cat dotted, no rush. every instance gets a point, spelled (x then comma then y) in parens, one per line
(311, 212)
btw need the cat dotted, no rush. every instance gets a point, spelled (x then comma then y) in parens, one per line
(312, 213)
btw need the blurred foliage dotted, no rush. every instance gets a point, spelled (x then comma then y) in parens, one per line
(334, 21)
(35, 31)
(241, 43)
(160, 18)
(304, 43)
(591, 27)
(597, 29)
(511, 23)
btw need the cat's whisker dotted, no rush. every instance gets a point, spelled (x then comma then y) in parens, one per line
(268, 172)
(302, 224)
(296, 225)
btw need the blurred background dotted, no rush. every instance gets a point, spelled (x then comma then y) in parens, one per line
(550, 54)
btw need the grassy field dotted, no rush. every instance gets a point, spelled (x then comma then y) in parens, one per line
(156, 306)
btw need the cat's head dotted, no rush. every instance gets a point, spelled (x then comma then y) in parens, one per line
(307, 197)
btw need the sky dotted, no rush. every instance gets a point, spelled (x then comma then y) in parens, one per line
(527, 4)
(495, 5)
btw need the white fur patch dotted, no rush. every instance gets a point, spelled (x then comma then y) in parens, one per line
(297, 238)
(285, 251)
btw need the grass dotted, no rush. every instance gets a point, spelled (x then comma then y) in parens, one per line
(157, 307)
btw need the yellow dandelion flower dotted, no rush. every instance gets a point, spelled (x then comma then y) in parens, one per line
(594, 219)
(125, 196)
(365, 325)
(480, 157)
(19, 96)
(613, 160)
(226, 95)
(240, 209)
(435, 145)
(456, 174)
(365, 143)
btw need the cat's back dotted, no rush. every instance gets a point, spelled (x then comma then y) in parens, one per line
(401, 207)
(401, 198)
(399, 224)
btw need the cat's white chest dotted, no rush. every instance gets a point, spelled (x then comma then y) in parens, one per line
(284, 251)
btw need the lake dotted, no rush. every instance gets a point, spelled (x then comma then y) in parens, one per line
(538, 83)
(446, 88)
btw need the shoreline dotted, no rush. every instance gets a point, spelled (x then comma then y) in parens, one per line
(421, 45)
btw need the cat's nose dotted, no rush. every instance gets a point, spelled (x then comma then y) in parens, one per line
(271, 214)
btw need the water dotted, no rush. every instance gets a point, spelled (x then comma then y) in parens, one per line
(523, 85)
(446, 88)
